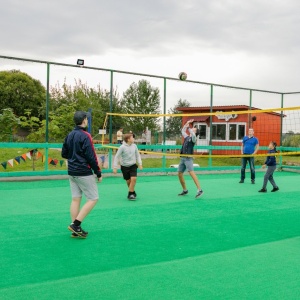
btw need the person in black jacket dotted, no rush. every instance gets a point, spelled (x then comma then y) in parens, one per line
(78, 148)
(271, 164)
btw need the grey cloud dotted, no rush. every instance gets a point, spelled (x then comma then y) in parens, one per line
(65, 28)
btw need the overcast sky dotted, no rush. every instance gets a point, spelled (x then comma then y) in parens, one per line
(254, 43)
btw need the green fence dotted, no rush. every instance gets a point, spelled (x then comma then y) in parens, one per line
(164, 152)
(212, 90)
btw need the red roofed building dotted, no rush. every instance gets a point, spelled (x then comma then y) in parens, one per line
(229, 129)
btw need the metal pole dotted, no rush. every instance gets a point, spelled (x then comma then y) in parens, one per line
(164, 161)
(281, 127)
(110, 117)
(210, 126)
(250, 107)
(47, 117)
(90, 121)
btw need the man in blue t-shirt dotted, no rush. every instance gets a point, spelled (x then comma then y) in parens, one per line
(249, 146)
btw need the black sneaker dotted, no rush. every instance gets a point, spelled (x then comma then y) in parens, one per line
(275, 189)
(131, 197)
(253, 181)
(75, 235)
(77, 230)
(241, 181)
(199, 194)
(263, 190)
(134, 193)
(183, 193)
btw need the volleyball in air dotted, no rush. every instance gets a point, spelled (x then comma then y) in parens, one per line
(182, 76)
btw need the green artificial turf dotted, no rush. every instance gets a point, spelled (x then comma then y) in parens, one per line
(232, 243)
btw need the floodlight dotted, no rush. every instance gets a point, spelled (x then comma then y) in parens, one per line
(80, 62)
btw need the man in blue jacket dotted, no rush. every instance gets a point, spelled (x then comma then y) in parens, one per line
(79, 149)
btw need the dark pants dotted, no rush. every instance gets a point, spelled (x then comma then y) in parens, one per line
(269, 176)
(143, 143)
(251, 164)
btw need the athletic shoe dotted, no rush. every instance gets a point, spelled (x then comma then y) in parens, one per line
(77, 230)
(131, 197)
(183, 193)
(75, 235)
(135, 194)
(241, 181)
(253, 181)
(275, 189)
(263, 190)
(199, 194)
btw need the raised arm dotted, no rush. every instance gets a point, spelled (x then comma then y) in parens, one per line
(193, 134)
(185, 127)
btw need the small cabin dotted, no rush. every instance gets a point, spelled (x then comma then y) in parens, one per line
(229, 129)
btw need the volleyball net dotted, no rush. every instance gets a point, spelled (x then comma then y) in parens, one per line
(218, 145)
(221, 130)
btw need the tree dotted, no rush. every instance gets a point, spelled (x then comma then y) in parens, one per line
(28, 121)
(82, 97)
(19, 91)
(141, 98)
(291, 139)
(8, 124)
(174, 124)
(59, 125)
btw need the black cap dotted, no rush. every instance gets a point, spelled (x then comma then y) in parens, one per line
(79, 116)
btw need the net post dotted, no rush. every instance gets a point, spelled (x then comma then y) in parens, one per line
(110, 118)
(250, 108)
(281, 126)
(210, 126)
(164, 161)
(47, 117)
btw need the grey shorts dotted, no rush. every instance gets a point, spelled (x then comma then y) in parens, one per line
(186, 163)
(84, 184)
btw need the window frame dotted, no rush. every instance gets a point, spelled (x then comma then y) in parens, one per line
(221, 123)
(227, 131)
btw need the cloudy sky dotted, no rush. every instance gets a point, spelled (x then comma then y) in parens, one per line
(254, 43)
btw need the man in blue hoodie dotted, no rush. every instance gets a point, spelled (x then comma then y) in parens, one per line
(79, 149)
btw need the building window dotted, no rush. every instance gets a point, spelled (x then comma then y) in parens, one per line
(241, 131)
(219, 132)
(202, 135)
(232, 132)
(202, 131)
(236, 131)
(228, 132)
